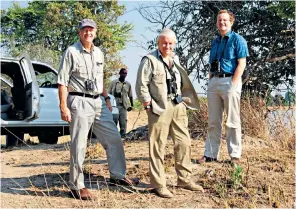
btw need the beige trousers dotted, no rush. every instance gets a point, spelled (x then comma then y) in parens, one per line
(86, 112)
(224, 96)
(173, 121)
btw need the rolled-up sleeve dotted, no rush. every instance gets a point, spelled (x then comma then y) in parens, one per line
(65, 68)
(143, 80)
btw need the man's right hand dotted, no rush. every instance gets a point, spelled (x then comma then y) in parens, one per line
(65, 114)
(147, 104)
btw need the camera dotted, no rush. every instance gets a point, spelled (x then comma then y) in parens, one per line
(89, 85)
(215, 66)
(178, 99)
(117, 94)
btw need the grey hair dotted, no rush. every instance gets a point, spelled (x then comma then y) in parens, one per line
(167, 32)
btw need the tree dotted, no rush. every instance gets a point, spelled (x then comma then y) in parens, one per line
(53, 24)
(268, 27)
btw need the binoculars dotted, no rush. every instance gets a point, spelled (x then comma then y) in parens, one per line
(117, 94)
(89, 85)
(215, 66)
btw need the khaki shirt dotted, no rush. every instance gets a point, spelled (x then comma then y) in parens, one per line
(78, 65)
(125, 90)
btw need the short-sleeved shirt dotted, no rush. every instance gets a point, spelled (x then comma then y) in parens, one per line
(124, 88)
(77, 66)
(228, 50)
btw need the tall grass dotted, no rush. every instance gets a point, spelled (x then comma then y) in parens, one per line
(255, 118)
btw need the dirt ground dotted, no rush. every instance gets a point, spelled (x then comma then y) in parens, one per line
(35, 176)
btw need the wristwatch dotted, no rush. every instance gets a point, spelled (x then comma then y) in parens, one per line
(106, 98)
(147, 107)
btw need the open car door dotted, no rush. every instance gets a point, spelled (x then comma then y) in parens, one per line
(32, 90)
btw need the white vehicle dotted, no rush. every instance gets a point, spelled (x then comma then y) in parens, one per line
(30, 103)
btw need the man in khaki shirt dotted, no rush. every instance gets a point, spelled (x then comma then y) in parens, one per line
(121, 89)
(165, 91)
(84, 103)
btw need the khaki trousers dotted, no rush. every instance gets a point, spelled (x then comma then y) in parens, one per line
(86, 112)
(122, 119)
(223, 95)
(173, 121)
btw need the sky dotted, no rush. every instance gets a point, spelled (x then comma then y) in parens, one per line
(142, 32)
(131, 56)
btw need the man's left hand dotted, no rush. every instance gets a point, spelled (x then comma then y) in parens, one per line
(129, 109)
(108, 103)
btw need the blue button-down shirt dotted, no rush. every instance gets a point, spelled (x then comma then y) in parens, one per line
(234, 47)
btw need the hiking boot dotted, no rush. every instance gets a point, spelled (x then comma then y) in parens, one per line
(206, 159)
(163, 192)
(191, 186)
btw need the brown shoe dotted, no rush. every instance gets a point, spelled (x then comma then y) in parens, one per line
(125, 181)
(206, 159)
(83, 194)
(192, 187)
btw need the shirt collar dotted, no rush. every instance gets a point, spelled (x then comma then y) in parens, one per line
(82, 49)
(228, 35)
(159, 55)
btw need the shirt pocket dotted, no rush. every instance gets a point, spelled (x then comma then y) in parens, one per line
(81, 70)
(98, 68)
(229, 52)
(126, 88)
(159, 78)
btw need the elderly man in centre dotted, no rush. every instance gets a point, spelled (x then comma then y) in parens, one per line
(165, 91)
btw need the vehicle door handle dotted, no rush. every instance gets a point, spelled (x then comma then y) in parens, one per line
(41, 95)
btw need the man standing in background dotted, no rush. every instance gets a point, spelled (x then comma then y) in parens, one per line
(122, 91)
(228, 61)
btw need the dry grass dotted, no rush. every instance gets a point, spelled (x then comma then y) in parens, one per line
(267, 179)
(37, 176)
(254, 118)
(198, 120)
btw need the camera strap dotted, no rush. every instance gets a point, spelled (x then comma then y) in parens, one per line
(222, 55)
(92, 66)
(172, 80)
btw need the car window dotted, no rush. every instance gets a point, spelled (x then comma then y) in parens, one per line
(6, 86)
(43, 77)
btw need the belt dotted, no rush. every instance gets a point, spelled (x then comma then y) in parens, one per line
(84, 95)
(224, 75)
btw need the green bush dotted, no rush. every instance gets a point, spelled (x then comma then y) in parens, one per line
(138, 105)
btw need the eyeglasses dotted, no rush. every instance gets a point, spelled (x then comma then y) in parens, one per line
(222, 20)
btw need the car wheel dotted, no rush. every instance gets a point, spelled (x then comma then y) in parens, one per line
(11, 140)
(49, 137)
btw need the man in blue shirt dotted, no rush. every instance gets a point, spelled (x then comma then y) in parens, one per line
(228, 61)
